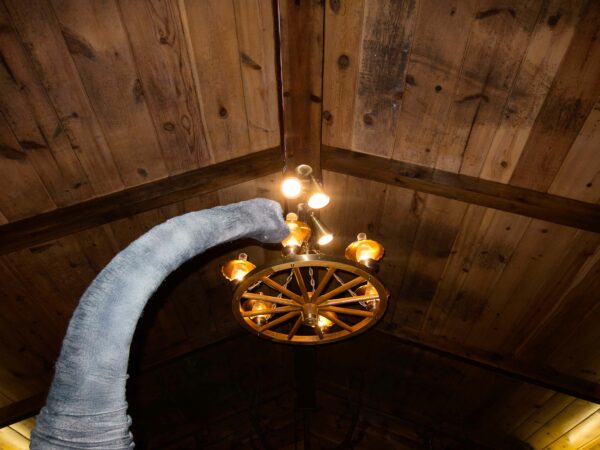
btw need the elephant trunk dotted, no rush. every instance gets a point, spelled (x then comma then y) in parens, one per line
(86, 405)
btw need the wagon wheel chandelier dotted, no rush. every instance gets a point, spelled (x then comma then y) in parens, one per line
(307, 297)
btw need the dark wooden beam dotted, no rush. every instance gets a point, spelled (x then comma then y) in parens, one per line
(545, 377)
(299, 36)
(98, 211)
(21, 410)
(563, 211)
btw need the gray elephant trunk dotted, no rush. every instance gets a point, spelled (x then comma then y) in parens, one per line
(86, 405)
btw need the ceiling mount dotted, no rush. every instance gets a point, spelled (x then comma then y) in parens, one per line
(308, 297)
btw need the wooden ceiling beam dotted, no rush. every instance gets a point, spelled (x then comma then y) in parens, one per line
(98, 211)
(299, 36)
(514, 199)
(545, 377)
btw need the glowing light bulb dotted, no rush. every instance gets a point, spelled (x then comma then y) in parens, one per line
(291, 187)
(324, 323)
(325, 239)
(318, 200)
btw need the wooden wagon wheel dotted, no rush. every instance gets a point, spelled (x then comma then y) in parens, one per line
(291, 312)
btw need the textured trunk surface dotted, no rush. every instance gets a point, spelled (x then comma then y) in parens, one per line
(86, 405)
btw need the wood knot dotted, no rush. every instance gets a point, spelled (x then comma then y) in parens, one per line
(438, 88)
(410, 80)
(315, 98)
(553, 20)
(138, 90)
(368, 119)
(335, 6)
(163, 40)
(223, 112)
(327, 116)
(168, 126)
(343, 61)
(142, 172)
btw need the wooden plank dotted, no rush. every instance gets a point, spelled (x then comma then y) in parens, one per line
(12, 440)
(98, 43)
(439, 226)
(31, 117)
(586, 431)
(440, 41)
(341, 64)
(42, 36)
(111, 207)
(497, 42)
(161, 56)
(579, 175)
(547, 47)
(387, 37)
(569, 303)
(546, 410)
(575, 89)
(564, 421)
(23, 409)
(301, 50)
(212, 42)
(531, 373)
(256, 41)
(467, 189)
(24, 194)
(476, 265)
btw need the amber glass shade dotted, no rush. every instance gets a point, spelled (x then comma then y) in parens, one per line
(257, 306)
(299, 232)
(367, 290)
(364, 249)
(237, 269)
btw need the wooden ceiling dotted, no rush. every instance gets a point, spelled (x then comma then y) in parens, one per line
(464, 135)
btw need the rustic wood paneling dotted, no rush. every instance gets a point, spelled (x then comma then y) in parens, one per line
(42, 36)
(34, 122)
(160, 51)
(301, 56)
(574, 91)
(213, 45)
(547, 47)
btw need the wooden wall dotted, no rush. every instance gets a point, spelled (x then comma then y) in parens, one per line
(503, 90)
(98, 97)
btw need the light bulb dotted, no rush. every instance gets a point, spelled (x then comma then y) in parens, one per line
(318, 200)
(291, 187)
(325, 239)
(324, 323)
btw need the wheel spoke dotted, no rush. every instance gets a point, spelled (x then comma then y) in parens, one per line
(323, 283)
(301, 284)
(346, 300)
(344, 287)
(285, 291)
(279, 321)
(264, 312)
(347, 311)
(270, 298)
(295, 328)
(337, 321)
